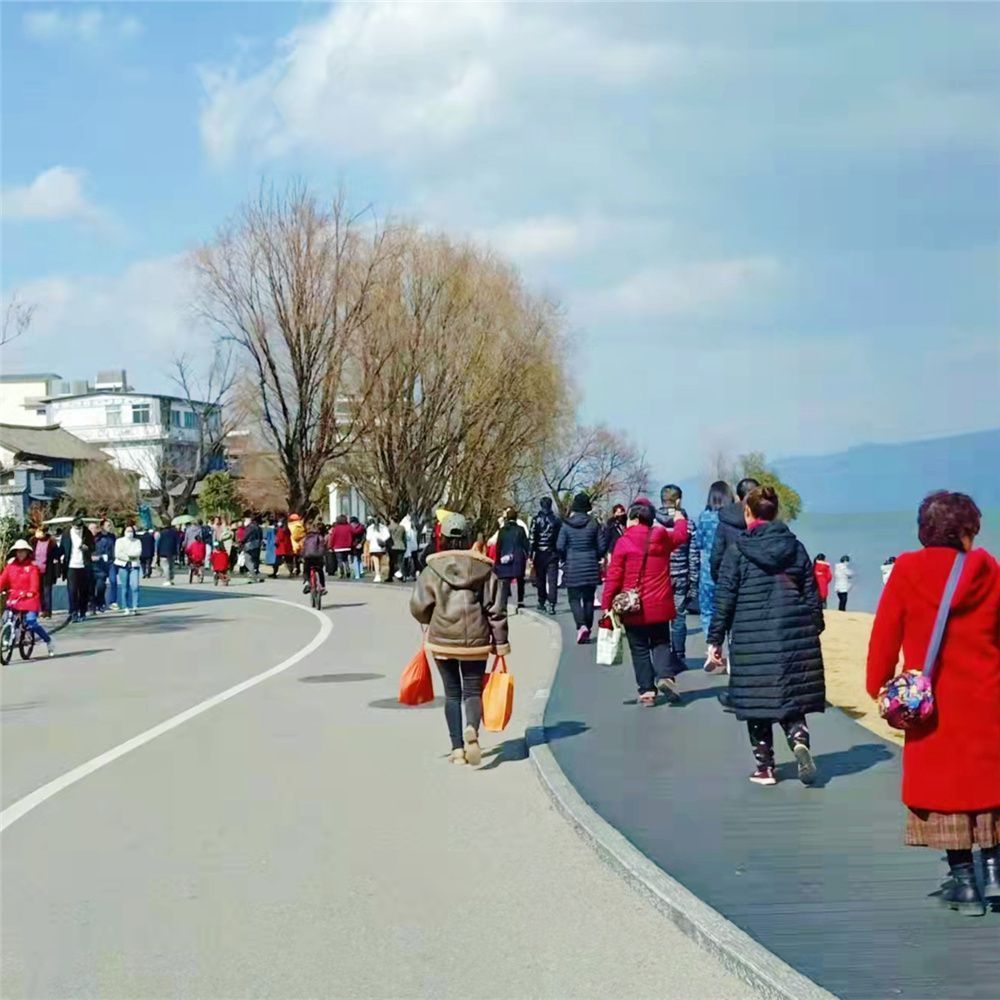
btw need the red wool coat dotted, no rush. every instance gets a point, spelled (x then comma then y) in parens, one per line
(282, 542)
(823, 574)
(626, 561)
(953, 765)
(341, 538)
(22, 578)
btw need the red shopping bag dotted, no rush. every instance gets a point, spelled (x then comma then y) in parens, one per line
(498, 697)
(415, 686)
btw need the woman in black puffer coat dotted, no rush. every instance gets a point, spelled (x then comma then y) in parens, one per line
(767, 600)
(581, 546)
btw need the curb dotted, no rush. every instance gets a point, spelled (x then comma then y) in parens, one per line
(734, 948)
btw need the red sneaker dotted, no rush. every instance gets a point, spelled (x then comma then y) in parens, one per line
(764, 776)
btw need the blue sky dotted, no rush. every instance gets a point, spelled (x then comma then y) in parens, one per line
(771, 227)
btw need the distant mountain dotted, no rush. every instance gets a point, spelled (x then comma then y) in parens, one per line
(889, 477)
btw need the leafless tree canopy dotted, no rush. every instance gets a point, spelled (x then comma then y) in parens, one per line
(17, 316)
(291, 283)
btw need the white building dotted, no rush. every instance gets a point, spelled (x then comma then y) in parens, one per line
(21, 397)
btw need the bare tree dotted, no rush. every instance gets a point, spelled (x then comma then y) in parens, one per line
(17, 316)
(99, 489)
(291, 283)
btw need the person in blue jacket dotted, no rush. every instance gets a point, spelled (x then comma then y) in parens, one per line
(719, 494)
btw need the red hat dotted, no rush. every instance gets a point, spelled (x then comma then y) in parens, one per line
(641, 501)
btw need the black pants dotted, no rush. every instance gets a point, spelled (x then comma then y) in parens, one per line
(100, 590)
(547, 577)
(842, 599)
(762, 736)
(650, 649)
(581, 603)
(343, 557)
(46, 598)
(463, 680)
(679, 627)
(146, 563)
(506, 585)
(308, 562)
(78, 587)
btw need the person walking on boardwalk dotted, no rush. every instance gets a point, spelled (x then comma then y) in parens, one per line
(823, 574)
(544, 533)
(684, 572)
(581, 547)
(843, 574)
(766, 599)
(719, 495)
(951, 763)
(615, 527)
(641, 562)
(511, 560)
(732, 524)
(458, 598)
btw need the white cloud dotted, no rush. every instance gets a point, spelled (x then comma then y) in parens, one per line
(700, 288)
(540, 238)
(137, 319)
(56, 193)
(403, 78)
(88, 26)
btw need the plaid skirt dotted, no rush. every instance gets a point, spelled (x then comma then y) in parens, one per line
(952, 831)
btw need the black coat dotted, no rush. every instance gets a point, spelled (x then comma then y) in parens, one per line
(512, 552)
(66, 548)
(613, 530)
(766, 598)
(581, 546)
(731, 525)
(168, 544)
(544, 531)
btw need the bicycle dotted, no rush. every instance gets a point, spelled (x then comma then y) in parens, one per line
(13, 633)
(315, 590)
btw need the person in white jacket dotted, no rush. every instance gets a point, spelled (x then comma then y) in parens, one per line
(842, 576)
(128, 558)
(377, 536)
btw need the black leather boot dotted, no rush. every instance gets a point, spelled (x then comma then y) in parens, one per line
(991, 874)
(961, 892)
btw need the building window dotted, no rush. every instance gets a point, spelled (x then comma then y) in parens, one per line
(114, 416)
(175, 418)
(140, 413)
(190, 419)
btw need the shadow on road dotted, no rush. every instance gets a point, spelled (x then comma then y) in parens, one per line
(338, 678)
(842, 763)
(394, 703)
(517, 749)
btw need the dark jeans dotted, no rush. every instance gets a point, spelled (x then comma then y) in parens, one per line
(46, 598)
(78, 587)
(547, 577)
(762, 736)
(146, 562)
(679, 627)
(842, 599)
(343, 558)
(650, 649)
(308, 562)
(100, 589)
(463, 680)
(506, 585)
(581, 603)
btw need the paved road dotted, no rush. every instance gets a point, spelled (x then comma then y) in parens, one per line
(818, 875)
(304, 838)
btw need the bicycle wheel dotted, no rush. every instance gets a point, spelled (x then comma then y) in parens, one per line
(6, 642)
(27, 644)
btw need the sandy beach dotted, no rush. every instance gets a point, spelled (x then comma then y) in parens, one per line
(845, 648)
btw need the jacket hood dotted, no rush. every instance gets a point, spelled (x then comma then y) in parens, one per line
(732, 514)
(578, 519)
(461, 569)
(927, 571)
(770, 546)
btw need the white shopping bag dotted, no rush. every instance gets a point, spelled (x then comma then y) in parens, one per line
(610, 652)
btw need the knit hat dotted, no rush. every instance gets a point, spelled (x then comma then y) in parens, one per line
(581, 504)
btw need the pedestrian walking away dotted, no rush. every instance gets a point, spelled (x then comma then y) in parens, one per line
(823, 574)
(196, 552)
(719, 495)
(684, 573)
(297, 530)
(458, 598)
(22, 580)
(766, 599)
(105, 575)
(148, 542)
(843, 575)
(887, 568)
(314, 556)
(951, 761)
(253, 538)
(397, 549)
(128, 561)
(640, 564)
(581, 546)
(544, 534)
(47, 559)
(220, 565)
(732, 524)
(511, 559)
(77, 552)
(166, 549)
(615, 527)
(377, 539)
(358, 533)
(282, 549)
(340, 542)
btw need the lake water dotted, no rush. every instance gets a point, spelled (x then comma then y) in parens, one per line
(868, 539)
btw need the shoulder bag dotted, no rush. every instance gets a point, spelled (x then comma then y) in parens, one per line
(907, 700)
(629, 602)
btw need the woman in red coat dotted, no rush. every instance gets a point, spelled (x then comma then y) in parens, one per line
(951, 766)
(641, 560)
(823, 575)
(282, 549)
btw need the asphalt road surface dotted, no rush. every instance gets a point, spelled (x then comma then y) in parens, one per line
(169, 832)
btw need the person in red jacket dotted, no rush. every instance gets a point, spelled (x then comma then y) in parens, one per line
(22, 579)
(220, 564)
(282, 549)
(641, 561)
(951, 765)
(823, 574)
(196, 552)
(340, 543)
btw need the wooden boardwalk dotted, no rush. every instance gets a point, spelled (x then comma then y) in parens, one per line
(818, 875)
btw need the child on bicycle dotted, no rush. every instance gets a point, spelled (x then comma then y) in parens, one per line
(196, 559)
(220, 564)
(313, 553)
(22, 579)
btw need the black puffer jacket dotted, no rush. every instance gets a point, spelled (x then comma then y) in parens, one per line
(544, 532)
(731, 525)
(581, 546)
(767, 598)
(685, 560)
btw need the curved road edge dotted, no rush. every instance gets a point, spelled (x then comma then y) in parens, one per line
(734, 948)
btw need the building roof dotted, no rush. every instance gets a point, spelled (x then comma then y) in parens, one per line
(124, 392)
(47, 442)
(32, 377)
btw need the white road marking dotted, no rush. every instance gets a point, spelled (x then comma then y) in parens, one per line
(23, 806)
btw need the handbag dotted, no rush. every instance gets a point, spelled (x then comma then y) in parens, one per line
(498, 697)
(907, 700)
(610, 651)
(629, 602)
(415, 686)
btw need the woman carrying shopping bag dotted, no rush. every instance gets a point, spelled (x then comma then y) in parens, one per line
(458, 598)
(638, 588)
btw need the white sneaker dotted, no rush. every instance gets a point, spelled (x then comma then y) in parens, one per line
(113, 606)
(51, 646)
(168, 583)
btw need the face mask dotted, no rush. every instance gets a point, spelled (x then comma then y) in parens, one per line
(620, 518)
(129, 533)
